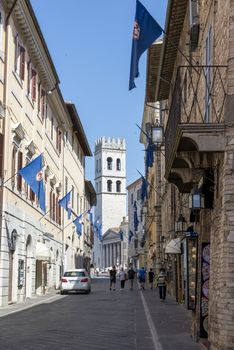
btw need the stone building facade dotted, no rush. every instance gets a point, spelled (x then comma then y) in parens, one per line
(193, 82)
(34, 246)
(136, 246)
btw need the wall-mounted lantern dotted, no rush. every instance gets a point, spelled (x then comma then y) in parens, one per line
(196, 200)
(157, 133)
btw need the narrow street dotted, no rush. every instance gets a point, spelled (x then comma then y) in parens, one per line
(101, 320)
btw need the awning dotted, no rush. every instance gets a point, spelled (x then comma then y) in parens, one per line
(173, 247)
(42, 252)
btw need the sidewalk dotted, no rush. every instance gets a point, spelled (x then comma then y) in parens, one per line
(171, 323)
(30, 302)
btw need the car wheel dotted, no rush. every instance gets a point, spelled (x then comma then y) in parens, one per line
(88, 291)
(62, 292)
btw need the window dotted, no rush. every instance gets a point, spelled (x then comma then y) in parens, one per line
(77, 203)
(131, 198)
(13, 165)
(109, 163)
(72, 196)
(58, 139)
(97, 187)
(100, 186)
(100, 165)
(118, 186)
(208, 75)
(43, 103)
(109, 186)
(118, 164)
(66, 184)
(52, 205)
(32, 80)
(33, 84)
(97, 165)
(39, 97)
(19, 166)
(19, 58)
(52, 129)
(58, 211)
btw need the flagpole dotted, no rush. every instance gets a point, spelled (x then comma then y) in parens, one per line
(3, 183)
(45, 214)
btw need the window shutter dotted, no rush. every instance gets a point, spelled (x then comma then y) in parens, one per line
(29, 78)
(51, 204)
(54, 207)
(16, 51)
(22, 62)
(20, 165)
(34, 82)
(39, 97)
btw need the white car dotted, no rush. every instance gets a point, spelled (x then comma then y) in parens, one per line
(75, 280)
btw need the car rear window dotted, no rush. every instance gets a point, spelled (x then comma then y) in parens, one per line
(74, 274)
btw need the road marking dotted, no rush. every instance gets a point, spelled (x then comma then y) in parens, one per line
(153, 331)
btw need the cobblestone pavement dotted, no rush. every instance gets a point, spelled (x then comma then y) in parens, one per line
(115, 320)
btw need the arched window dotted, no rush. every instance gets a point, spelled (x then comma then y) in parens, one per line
(109, 163)
(109, 186)
(118, 164)
(118, 186)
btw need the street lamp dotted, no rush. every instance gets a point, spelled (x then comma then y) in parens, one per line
(180, 224)
(196, 200)
(157, 133)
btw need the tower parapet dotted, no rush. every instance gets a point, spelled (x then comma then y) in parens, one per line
(110, 143)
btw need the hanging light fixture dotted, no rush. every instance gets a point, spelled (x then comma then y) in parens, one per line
(157, 133)
(196, 199)
(180, 224)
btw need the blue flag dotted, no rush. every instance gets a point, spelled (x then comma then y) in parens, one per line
(90, 216)
(146, 31)
(98, 229)
(130, 235)
(78, 223)
(135, 217)
(121, 235)
(149, 157)
(65, 203)
(33, 175)
(144, 189)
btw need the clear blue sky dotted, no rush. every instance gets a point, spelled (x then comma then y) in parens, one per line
(90, 44)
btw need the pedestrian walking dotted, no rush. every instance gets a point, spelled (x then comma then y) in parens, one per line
(122, 278)
(151, 278)
(112, 273)
(131, 277)
(162, 284)
(141, 276)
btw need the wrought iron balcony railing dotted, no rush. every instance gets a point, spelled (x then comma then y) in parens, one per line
(198, 98)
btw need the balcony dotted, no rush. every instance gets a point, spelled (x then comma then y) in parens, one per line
(195, 124)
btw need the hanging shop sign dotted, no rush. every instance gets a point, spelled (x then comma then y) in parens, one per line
(205, 277)
(191, 272)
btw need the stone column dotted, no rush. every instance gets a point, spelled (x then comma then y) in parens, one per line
(108, 249)
(114, 254)
(111, 255)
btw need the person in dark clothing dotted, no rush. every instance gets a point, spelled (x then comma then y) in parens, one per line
(112, 278)
(151, 278)
(162, 284)
(131, 277)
